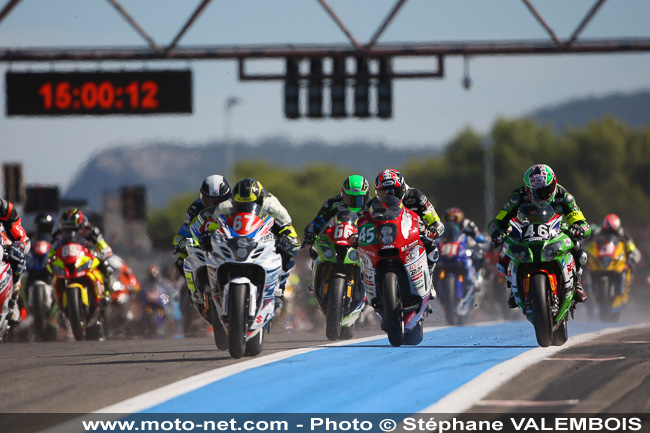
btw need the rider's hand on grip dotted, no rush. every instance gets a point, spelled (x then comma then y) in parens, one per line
(354, 240)
(181, 247)
(498, 237)
(310, 237)
(205, 241)
(576, 232)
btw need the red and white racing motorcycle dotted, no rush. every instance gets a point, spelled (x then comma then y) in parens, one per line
(394, 269)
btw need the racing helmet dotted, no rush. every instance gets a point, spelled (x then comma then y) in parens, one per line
(390, 182)
(354, 191)
(540, 183)
(249, 190)
(611, 223)
(214, 190)
(44, 222)
(454, 215)
(72, 220)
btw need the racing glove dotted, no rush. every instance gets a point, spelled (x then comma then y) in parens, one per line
(205, 241)
(310, 237)
(576, 232)
(498, 237)
(17, 257)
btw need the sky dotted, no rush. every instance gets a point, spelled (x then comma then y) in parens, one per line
(425, 112)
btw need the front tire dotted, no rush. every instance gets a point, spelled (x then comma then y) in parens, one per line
(237, 315)
(392, 313)
(38, 310)
(542, 318)
(75, 314)
(334, 307)
(448, 300)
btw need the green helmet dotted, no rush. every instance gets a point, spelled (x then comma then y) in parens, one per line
(540, 183)
(355, 192)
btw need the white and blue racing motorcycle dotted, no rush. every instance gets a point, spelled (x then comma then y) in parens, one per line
(244, 271)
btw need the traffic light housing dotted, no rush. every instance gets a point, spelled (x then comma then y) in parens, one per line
(315, 95)
(134, 202)
(292, 89)
(362, 89)
(385, 89)
(338, 88)
(41, 198)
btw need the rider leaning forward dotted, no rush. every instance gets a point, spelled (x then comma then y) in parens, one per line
(541, 187)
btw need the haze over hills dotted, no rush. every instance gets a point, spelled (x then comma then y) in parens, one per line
(168, 169)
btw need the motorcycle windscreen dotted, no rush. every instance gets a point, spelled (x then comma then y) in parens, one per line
(245, 218)
(387, 209)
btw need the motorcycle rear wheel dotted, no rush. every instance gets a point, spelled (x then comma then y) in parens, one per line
(218, 328)
(561, 334)
(415, 335)
(237, 315)
(542, 318)
(255, 345)
(392, 313)
(347, 332)
(334, 307)
(75, 314)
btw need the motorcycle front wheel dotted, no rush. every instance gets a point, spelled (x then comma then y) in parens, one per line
(542, 318)
(392, 314)
(334, 307)
(39, 311)
(237, 314)
(75, 314)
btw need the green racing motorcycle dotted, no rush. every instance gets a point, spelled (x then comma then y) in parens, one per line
(542, 271)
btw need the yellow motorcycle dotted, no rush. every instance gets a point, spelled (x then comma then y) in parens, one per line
(609, 275)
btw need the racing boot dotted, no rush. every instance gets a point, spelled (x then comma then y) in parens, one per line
(511, 299)
(580, 295)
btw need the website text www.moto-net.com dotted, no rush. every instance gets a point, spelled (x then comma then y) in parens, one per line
(377, 423)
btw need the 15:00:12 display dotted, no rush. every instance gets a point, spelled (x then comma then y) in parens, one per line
(105, 95)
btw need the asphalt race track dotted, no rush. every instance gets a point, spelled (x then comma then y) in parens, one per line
(454, 369)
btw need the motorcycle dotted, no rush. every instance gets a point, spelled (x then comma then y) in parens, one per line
(394, 269)
(6, 289)
(542, 271)
(455, 275)
(157, 317)
(609, 275)
(41, 300)
(244, 271)
(335, 276)
(79, 286)
(496, 291)
(118, 314)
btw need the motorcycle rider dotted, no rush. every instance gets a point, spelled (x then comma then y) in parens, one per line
(75, 226)
(469, 227)
(250, 190)
(612, 225)
(214, 190)
(20, 244)
(540, 187)
(455, 215)
(354, 196)
(391, 182)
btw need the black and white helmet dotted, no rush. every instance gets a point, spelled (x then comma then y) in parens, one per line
(215, 189)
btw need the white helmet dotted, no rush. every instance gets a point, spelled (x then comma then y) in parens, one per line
(214, 190)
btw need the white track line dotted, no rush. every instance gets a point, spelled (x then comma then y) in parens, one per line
(468, 395)
(160, 395)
